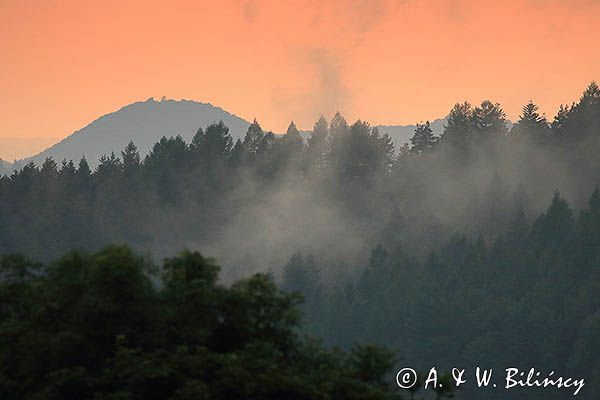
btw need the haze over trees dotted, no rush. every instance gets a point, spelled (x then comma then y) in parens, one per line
(478, 246)
(257, 194)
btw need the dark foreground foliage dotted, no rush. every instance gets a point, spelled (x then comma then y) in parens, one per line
(110, 326)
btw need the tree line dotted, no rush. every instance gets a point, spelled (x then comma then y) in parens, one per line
(200, 186)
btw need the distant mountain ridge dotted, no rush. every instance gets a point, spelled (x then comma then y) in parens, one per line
(5, 167)
(401, 134)
(145, 122)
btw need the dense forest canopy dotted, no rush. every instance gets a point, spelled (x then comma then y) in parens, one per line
(268, 195)
(478, 246)
(527, 298)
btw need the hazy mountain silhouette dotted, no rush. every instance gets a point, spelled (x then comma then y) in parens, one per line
(5, 167)
(401, 134)
(147, 121)
(144, 123)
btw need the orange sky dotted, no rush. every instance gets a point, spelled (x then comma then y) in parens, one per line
(65, 63)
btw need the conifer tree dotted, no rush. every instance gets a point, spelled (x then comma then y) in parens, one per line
(83, 168)
(254, 137)
(49, 169)
(531, 122)
(131, 158)
(68, 169)
(293, 139)
(423, 139)
(457, 130)
(488, 120)
(338, 125)
(317, 144)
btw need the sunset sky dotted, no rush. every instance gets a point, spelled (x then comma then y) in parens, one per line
(65, 63)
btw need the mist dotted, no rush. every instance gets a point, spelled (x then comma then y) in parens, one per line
(333, 196)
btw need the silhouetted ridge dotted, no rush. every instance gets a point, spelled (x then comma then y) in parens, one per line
(144, 123)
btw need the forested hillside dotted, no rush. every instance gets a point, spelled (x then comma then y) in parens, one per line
(529, 298)
(481, 246)
(253, 202)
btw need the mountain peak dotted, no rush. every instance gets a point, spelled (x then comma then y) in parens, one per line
(144, 123)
